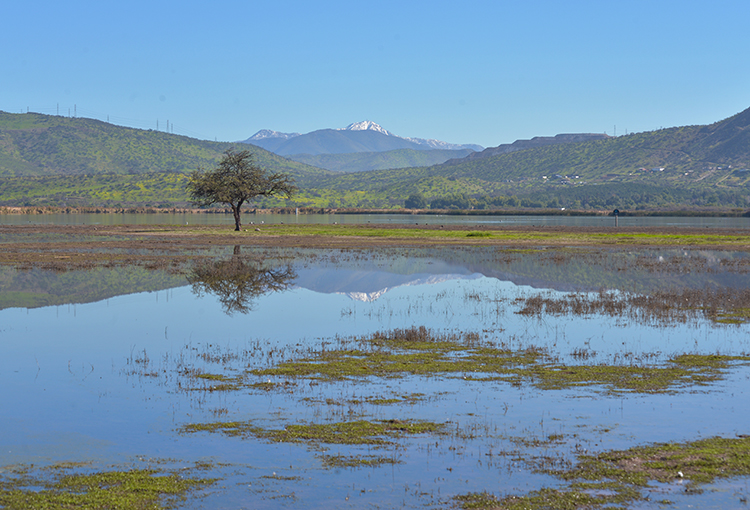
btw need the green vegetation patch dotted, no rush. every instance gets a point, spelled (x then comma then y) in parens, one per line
(539, 236)
(619, 477)
(699, 462)
(391, 355)
(410, 398)
(417, 351)
(352, 433)
(356, 461)
(56, 487)
(543, 499)
(738, 316)
(685, 370)
(214, 382)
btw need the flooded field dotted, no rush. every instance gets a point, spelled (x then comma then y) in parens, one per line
(165, 218)
(439, 377)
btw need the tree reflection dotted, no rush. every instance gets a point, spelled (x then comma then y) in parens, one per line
(238, 280)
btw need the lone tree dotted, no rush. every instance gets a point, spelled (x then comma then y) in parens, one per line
(236, 180)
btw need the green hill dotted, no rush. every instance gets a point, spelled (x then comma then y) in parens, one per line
(364, 161)
(692, 166)
(35, 144)
(55, 160)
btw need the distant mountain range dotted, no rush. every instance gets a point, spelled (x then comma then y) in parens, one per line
(54, 160)
(681, 167)
(364, 146)
(363, 136)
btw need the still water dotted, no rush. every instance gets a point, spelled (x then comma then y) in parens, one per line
(426, 219)
(100, 379)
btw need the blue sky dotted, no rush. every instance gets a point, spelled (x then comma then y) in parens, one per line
(482, 72)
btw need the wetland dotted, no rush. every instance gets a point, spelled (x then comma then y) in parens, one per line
(342, 366)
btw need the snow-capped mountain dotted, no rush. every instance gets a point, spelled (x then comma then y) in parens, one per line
(267, 133)
(368, 286)
(365, 136)
(417, 280)
(366, 125)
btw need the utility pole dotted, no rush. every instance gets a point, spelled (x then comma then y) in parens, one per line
(58, 109)
(75, 110)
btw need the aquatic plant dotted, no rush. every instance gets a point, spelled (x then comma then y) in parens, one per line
(61, 486)
(620, 477)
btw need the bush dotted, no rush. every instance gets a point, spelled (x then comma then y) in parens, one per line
(416, 201)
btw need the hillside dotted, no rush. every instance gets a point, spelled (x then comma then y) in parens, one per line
(364, 161)
(691, 166)
(53, 160)
(537, 141)
(44, 145)
(677, 156)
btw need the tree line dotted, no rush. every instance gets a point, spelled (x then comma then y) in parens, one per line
(622, 195)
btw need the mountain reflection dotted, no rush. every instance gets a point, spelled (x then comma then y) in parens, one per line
(238, 280)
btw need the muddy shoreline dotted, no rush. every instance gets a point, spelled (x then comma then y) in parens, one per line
(75, 246)
(36, 210)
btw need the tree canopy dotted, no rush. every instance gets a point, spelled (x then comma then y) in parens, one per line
(416, 201)
(235, 180)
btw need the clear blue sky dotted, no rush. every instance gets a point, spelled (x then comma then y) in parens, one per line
(485, 72)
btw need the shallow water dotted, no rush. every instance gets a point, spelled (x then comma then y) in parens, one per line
(422, 219)
(98, 379)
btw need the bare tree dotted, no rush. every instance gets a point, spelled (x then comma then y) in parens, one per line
(236, 180)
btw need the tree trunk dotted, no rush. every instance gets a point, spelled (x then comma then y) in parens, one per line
(236, 212)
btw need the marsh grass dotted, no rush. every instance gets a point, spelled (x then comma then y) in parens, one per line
(621, 477)
(357, 461)
(700, 462)
(721, 305)
(420, 352)
(65, 486)
(360, 432)
(480, 361)
(411, 398)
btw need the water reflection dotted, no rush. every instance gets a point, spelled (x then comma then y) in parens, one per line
(100, 381)
(237, 281)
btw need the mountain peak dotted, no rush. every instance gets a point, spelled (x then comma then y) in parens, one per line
(366, 125)
(364, 136)
(268, 133)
